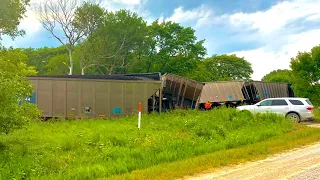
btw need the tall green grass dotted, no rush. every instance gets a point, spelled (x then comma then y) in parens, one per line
(90, 149)
(316, 112)
(301, 136)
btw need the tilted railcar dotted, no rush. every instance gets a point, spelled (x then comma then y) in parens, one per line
(180, 92)
(183, 92)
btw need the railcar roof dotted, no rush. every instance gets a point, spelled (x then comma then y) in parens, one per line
(144, 76)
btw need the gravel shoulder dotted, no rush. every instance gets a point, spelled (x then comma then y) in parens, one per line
(312, 124)
(296, 164)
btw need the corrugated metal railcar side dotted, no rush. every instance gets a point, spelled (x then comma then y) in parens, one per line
(184, 92)
(222, 92)
(262, 90)
(75, 97)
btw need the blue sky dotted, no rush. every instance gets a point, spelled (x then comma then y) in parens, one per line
(266, 33)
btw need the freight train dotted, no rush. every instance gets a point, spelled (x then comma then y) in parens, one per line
(112, 96)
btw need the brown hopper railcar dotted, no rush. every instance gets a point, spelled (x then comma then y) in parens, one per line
(93, 96)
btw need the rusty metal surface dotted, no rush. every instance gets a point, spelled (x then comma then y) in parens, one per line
(222, 91)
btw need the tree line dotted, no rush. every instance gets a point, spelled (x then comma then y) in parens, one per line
(97, 41)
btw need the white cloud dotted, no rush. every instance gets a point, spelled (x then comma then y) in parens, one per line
(315, 17)
(264, 60)
(30, 23)
(277, 30)
(278, 16)
(268, 21)
(129, 2)
(200, 15)
(132, 5)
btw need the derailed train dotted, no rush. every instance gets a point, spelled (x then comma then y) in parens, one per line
(118, 95)
(181, 92)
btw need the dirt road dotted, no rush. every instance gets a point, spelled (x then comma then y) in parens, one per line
(296, 164)
(312, 124)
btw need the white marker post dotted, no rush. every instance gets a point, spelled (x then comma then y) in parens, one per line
(139, 115)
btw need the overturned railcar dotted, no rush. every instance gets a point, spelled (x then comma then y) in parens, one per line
(180, 92)
(93, 96)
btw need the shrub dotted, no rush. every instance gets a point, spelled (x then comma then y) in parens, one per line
(14, 87)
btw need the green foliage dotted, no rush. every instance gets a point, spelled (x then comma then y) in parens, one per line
(57, 65)
(306, 71)
(279, 75)
(91, 149)
(172, 49)
(200, 73)
(88, 17)
(316, 113)
(13, 88)
(123, 43)
(300, 137)
(228, 67)
(120, 34)
(11, 12)
(40, 58)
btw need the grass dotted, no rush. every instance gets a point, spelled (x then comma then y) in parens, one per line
(208, 162)
(90, 149)
(316, 114)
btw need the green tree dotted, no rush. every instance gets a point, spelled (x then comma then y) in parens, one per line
(200, 73)
(279, 75)
(110, 46)
(88, 18)
(57, 65)
(170, 48)
(11, 12)
(306, 71)
(14, 86)
(228, 67)
(41, 57)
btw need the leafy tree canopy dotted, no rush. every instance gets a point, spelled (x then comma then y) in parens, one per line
(170, 48)
(40, 58)
(279, 75)
(109, 47)
(228, 67)
(11, 12)
(306, 71)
